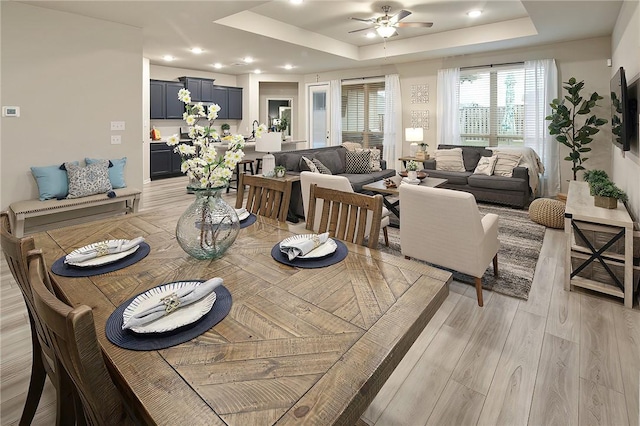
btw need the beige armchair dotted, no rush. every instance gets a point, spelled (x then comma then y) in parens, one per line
(444, 227)
(339, 183)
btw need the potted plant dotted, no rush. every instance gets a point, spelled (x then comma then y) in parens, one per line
(281, 126)
(279, 171)
(606, 194)
(422, 151)
(593, 177)
(412, 170)
(567, 129)
(225, 129)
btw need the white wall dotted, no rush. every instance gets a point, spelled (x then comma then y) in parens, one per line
(625, 43)
(582, 59)
(71, 76)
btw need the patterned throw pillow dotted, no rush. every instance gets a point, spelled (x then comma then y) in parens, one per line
(486, 165)
(321, 167)
(506, 163)
(93, 179)
(450, 160)
(358, 162)
(312, 167)
(375, 158)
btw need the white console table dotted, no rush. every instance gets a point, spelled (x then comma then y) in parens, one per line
(582, 216)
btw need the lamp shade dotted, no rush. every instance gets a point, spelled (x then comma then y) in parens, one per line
(269, 142)
(413, 134)
(385, 31)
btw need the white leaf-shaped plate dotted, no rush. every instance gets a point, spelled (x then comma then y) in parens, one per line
(178, 318)
(100, 260)
(322, 250)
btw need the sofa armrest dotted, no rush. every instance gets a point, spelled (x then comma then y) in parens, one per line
(383, 164)
(521, 173)
(429, 164)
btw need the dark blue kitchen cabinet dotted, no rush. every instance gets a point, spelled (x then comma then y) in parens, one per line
(174, 107)
(201, 89)
(163, 162)
(235, 103)
(163, 99)
(221, 97)
(157, 95)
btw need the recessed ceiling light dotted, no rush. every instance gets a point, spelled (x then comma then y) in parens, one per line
(257, 71)
(217, 65)
(288, 67)
(295, 1)
(168, 58)
(248, 59)
(196, 50)
(474, 13)
(370, 34)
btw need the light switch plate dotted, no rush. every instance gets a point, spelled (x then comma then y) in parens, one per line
(117, 125)
(116, 139)
(11, 111)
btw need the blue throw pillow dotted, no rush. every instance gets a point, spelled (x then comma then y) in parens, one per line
(52, 181)
(116, 171)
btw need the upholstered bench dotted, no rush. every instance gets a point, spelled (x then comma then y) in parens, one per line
(547, 212)
(22, 210)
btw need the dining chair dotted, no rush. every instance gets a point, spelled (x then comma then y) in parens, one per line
(444, 227)
(339, 183)
(44, 361)
(345, 214)
(76, 346)
(266, 196)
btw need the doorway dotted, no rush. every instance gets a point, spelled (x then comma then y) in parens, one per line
(319, 115)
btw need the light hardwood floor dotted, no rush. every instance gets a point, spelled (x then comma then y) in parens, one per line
(565, 358)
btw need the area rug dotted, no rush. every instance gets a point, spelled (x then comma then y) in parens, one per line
(520, 244)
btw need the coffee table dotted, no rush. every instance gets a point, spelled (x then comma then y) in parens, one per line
(379, 187)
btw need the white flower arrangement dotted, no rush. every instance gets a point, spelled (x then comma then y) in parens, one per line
(200, 161)
(412, 166)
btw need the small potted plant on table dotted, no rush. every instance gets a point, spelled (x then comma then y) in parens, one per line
(412, 170)
(279, 171)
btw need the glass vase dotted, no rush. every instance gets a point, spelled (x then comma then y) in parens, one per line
(209, 225)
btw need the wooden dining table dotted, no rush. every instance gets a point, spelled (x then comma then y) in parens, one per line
(299, 346)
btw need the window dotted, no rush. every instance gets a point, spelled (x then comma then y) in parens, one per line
(363, 106)
(492, 107)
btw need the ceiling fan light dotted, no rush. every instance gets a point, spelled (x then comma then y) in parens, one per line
(370, 34)
(385, 31)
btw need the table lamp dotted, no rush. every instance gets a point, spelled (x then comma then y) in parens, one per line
(269, 142)
(413, 135)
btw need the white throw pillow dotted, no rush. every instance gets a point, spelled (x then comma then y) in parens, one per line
(450, 160)
(506, 163)
(352, 146)
(312, 167)
(486, 165)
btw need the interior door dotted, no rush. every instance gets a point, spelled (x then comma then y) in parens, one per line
(319, 116)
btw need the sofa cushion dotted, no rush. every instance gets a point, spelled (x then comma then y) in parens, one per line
(374, 159)
(485, 166)
(321, 167)
(358, 162)
(116, 171)
(358, 180)
(453, 178)
(52, 181)
(289, 160)
(497, 182)
(306, 165)
(449, 160)
(331, 160)
(470, 154)
(506, 163)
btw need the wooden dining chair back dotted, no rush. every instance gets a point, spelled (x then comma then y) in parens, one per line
(344, 214)
(266, 196)
(44, 361)
(76, 346)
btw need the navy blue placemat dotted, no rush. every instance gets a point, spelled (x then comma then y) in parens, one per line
(64, 270)
(337, 256)
(248, 221)
(153, 341)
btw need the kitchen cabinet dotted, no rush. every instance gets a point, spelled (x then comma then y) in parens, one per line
(230, 101)
(163, 100)
(201, 89)
(163, 162)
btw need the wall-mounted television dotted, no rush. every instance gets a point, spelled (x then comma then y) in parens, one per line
(623, 112)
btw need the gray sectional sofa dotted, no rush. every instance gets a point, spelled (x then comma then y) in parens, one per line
(513, 191)
(334, 158)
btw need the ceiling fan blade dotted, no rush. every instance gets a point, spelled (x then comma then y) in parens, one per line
(414, 24)
(399, 16)
(361, 29)
(370, 20)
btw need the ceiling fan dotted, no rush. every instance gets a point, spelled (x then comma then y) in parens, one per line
(386, 25)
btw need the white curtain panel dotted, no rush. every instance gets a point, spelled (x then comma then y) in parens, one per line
(335, 133)
(448, 93)
(540, 88)
(392, 143)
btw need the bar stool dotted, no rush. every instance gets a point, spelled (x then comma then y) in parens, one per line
(247, 166)
(258, 165)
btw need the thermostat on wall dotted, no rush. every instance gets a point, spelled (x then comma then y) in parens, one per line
(11, 111)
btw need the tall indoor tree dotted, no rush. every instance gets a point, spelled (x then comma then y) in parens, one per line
(565, 127)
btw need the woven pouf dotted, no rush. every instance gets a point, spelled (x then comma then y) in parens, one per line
(547, 212)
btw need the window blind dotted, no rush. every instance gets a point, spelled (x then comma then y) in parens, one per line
(363, 106)
(492, 107)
